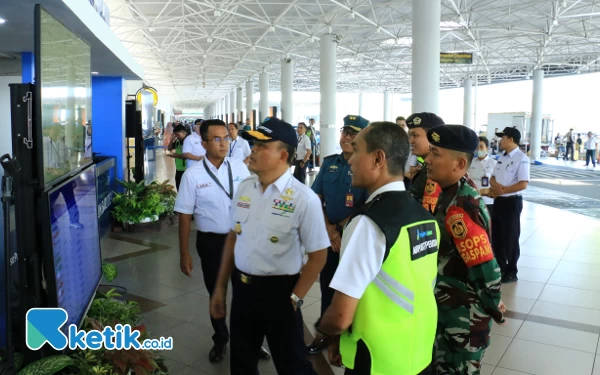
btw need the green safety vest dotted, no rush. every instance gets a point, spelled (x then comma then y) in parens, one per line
(180, 164)
(394, 326)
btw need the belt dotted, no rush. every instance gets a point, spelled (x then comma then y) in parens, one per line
(510, 197)
(263, 280)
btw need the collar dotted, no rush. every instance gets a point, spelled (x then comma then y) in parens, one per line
(211, 165)
(392, 186)
(512, 153)
(280, 183)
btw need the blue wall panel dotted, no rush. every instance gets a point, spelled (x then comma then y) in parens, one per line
(28, 67)
(108, 119)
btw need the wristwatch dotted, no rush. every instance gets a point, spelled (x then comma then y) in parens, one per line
(297, 300)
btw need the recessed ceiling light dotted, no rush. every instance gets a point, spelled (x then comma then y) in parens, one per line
(95, 73)
(2, 20)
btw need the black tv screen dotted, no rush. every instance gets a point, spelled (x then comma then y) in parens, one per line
(63, 85)
(76, 258)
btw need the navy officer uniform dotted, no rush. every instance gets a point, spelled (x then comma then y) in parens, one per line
(275, 222)
(334, 186)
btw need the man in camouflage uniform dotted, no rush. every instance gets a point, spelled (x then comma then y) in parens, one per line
(422, 189)
(468, 284)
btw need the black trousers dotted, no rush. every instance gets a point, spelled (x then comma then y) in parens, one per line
(178, 175)
(570, 147)
(590, 155)
(210, 250)
(300, 172)
(262, 307)
(506, 230)
(333, 259)
(490, 208)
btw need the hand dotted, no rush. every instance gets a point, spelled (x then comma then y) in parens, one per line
(335, 357)
(174, 156)
(185, 262)
(294, 305)
(218, 306)
(336, 243)
(496, 191)
(301, 164)
(331, 231)
(502, 307)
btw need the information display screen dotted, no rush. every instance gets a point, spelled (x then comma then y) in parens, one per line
(75, 244)
(63, 75)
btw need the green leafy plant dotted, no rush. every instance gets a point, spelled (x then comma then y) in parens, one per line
(109, 271)
(47, 366)
(109, 311)
(137, 203)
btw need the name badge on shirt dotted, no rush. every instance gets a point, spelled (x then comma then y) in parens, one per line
(485, 181)
(349, 200)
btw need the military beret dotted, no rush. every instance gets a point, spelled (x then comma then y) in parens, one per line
(354, 122)
(425, 120)
(454, 137)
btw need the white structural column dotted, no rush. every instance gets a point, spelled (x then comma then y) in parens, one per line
(223, 107)
(263, 105)
(240, 106)
(426, 55)
(218, 111)
(536, 115)
(361, 107)
(227, 110)
(387, 106)
(232, 102)
(468, 105)
(328, 62)
(287, 90)
(249, 99)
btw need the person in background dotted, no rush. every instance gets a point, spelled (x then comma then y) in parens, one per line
(481, 171)
(303, 152)
(570, 138)
(384, 311)
(558, 144)
(590, 150)
(176, 148)
(168, 136)
(340, 199)
(192, 151)
(422, 189)
(276, 222)
(579, 143)
(239, 148)
(402, 122)
(88, 141)
(468, 286)
(248, 126)
(510, 178)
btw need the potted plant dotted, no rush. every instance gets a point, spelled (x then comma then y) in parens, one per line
(168, 197)
(137, 206)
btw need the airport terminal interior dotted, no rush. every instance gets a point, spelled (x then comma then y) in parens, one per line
(91, 216)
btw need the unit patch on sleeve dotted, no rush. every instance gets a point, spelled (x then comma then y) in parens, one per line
(471, 240)
(423, 240)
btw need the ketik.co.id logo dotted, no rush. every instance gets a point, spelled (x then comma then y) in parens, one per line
(44, 326)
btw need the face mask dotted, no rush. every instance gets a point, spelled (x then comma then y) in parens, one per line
(480, 153)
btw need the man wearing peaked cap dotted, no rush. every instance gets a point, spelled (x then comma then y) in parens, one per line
(425, 191)
(467, 269)
(275, 222)
(340, 199)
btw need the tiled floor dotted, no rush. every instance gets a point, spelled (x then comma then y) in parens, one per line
(554, 309)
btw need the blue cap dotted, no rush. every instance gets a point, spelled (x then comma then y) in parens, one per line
(273, 129)
(356, 123)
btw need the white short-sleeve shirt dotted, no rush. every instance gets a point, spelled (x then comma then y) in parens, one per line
(193, 145)
(482, 168)
(200, 195)
(275, 229)
(303, 147)
(511, 169)
(239, 149)
(362, 251)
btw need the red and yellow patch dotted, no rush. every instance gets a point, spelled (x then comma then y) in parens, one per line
(470, 239)
(431, 195)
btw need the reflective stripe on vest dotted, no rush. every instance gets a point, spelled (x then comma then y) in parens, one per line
(395, 291)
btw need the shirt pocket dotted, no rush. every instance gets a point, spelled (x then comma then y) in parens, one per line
(278, 233)
(241, 214)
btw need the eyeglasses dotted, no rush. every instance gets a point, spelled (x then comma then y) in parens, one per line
(220, 140)
(348, 133)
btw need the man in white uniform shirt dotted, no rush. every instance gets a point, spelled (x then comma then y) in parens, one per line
(481, 171)
(590, 149)
(193, 151)
(303, 152)
(239, 148)
(509, 179)
(206, 191)
(275, 222)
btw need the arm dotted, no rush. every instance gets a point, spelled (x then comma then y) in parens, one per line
(171, 146)
(310, 272)
(185, 205)
(339, 315)
(218, 308)
(475, 249)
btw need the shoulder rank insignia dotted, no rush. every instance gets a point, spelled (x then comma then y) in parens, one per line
(245, 198)
(289, 191)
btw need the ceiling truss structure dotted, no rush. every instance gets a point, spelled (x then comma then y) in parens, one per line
(197, 51)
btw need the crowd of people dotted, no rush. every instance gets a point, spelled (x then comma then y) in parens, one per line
(397, 228)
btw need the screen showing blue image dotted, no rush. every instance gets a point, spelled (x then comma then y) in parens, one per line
(75, 244)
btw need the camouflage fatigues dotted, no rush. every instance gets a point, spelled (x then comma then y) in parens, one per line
(468, 285)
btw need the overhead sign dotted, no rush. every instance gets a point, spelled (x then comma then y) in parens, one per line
(456, 58)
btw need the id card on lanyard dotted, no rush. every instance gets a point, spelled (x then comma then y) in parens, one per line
(232, 147)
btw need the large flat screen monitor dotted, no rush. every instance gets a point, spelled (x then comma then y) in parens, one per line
(73, 266)
(63, 100)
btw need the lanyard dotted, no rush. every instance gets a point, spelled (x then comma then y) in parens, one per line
(231, 147)
(215, 179)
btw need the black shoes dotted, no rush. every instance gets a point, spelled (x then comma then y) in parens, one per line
(264, 354)
(317, 346)
(217, 353)
(509, 278)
